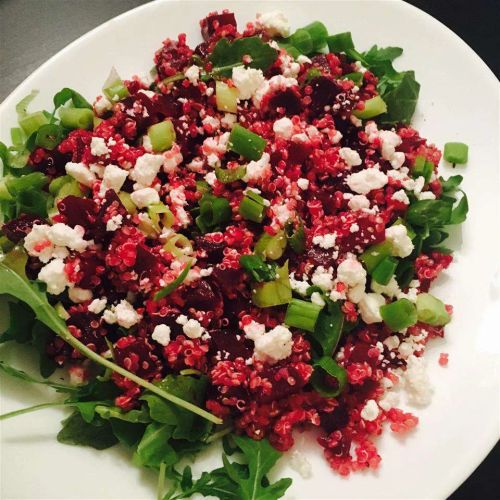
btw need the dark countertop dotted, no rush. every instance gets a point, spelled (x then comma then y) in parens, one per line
(31, 31)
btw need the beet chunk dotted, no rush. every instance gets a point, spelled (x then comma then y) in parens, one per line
(17, 229)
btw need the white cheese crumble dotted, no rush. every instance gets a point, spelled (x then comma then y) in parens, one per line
(366, 180)
(299, 463)
(325, 241)
(193, 74)
(323, 278)
(102, 105)
(258, 170)
(299, 286)
(417, 382)
(401, 196)
(146, 169)
(283, 128)
(145, 197)
(274, 23)
(161, 334)
(114, 177)
(353, 275)
(97, 305)
(317, 299)
(54, 276)
(277, 82)
(401, 242)
(38, 244)
(303, 183)
(369, 307)
(370, 411)
(350, 156)
(274, 345)
(126, 315)
(98, 146)
(81, 173)
(247, 81)
(114, 223)
(172, 159)
(79, 295)
(228, 120)
(192, 328)
(358, 202)
(62, 235)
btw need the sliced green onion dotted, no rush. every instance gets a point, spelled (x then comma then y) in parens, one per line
(399, 314)
(161, 135)
(302, 314)
(173, 78)
(17, 136)
(431, 310)
(76, 118)
(226, 97)
(313, 73)
(271, 247)
(214, 212)
(252, 207)
(32, 122)
(35, 180)
(373, 255)
(456, 152)
(49, 136)
(373, 107)
(203, 187)
(127, 202)
(296, 237)
(302, 41)
(422, 168)
(385, 269)
(340, 42)
(157, 209)
(179, 246)
(167, 290)
(114, 88)
(318, 33)
(228, 175)
(22, 105)
(5, 194)
(355, 77)
(246, 143)
(325, 369)
(273, 293)
(258, 269)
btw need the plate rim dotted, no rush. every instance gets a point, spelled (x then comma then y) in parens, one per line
(460, 474)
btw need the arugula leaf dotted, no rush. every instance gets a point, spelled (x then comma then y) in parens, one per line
(227, 55)
(215, 483)
(451, 184)
(327, 367)
(41, 337)
(128, 433)
(459, 213)
(21, 322)
(76, 431)
(259, 270)
(14, 372)
(186, 425)
(132, 416)
(13, 281)
(376, 55)
(154, 447)
(328, 328)
(429, 213)
(401, 99)
(260, 457)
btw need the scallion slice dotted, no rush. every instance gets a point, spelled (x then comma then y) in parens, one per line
(49, 136)
(373, 255)
(32, 122)
(422, 168)
(228, 175)
(167, 290)
(252, 207)
(161, 135)
(302, 314)
(271, 247)
(373, 107)
(385, 269)
(431, 310)
(258, 269)
(214, 212)
(399, 314)
(456, 152)
(226, 97)
(246, 143)
(74, 118)
(273, 293)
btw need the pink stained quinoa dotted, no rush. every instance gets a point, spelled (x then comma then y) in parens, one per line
(143, 215)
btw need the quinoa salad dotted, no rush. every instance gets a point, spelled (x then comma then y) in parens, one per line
(227, 251)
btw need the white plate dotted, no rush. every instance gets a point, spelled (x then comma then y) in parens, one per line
(459, 101)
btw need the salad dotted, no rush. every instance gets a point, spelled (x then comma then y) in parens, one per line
(231, 249)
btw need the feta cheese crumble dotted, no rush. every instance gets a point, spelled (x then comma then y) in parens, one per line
(247, 81)
(367, 180)
(274, 345)
(401, 243)
(274, 23)
(161, 334)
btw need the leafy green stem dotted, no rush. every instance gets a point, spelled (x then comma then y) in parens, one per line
(161, 480)
(33, 408)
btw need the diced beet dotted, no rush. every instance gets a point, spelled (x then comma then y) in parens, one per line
(215, 21)
(51, 163)
(204, 296)
(324, 91)
(336, 420)
(227, 342)
(78, 211)
(136, 354)
(145, 263)
(320, 256)
(298, 153)
(287, 101)
(280, 385)
(214, 249)
(92, 333)
(167, 106)
(227, 279)
(17, 229)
